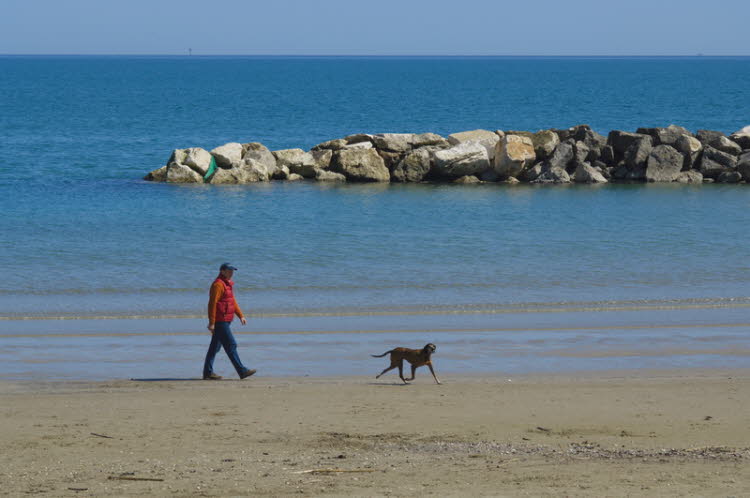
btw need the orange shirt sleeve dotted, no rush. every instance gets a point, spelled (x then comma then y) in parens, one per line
(217, 290)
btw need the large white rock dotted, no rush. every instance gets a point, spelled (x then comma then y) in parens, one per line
(663, 164)
(359, 145)
(198, 159)
(180, 173)
(690, 148)
(665, 136)
(621, 140)
(466, 158)
(246, 173)
(513, 154)
(691, 176)
(473, 136)
(414, 166)
(545, 142)
(228, 176)
(256, 171)
(726, 145)
(157, 175)
(258, 152)
(323, 175)
(485, 137)
(335, 144)
(426, 139)
(322, 158)
(281, 173)
(360, 165)
(178, 156)
(563, 155)
(553, 175)
(585, 173)
(298, 161)
(228, 155)
(292, 157)
(393, 142)
(467, 180)
(358, 138)
(742, 137)
(713, 162)
(254, 168)
(258, 161)
(636, 155)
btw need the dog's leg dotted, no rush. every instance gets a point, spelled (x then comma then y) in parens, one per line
(413, 371)
(384, 371)
(433, 372)
(401, 370)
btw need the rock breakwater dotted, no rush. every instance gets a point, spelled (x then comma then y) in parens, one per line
(577, 154)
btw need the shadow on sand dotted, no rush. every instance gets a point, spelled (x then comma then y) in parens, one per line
(386, 384)
(168, 379)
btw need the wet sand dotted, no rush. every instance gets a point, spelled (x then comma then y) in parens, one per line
(640, 433)
(484, 342)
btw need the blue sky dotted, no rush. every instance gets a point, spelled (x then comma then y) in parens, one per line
(385, 27)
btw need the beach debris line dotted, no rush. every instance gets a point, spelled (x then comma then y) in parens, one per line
(101, 435)
(584, 450)
(581, 450)
(333, 471)
(133, 478)
(555, 156)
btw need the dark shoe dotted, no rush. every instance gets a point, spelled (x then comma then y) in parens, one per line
(247, 373)
(213, 376)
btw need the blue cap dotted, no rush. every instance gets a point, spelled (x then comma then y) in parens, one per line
(227, 266)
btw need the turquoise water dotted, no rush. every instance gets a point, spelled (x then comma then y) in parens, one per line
(130, 248)
(84, 237)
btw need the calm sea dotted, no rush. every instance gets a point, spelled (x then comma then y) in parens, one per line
(90, 253)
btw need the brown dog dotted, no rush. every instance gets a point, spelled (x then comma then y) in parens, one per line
(417, 358)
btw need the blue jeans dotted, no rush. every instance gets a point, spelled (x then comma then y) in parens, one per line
(222, 336)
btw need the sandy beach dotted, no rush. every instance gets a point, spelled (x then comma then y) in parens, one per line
(669, 433)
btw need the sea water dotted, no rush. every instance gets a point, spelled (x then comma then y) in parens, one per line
(105, 275)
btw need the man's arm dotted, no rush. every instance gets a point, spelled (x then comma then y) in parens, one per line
(238, 312)
(217, 290)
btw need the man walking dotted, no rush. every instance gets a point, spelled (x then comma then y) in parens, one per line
(222, 307)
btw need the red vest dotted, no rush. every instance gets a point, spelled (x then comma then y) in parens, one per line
(225, 304)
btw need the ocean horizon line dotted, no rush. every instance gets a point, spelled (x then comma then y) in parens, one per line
(383, 56)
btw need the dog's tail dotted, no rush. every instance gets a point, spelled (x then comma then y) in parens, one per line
(381, 355)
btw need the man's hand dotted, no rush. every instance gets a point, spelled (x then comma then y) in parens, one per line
(243, 321)
(211, 327)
